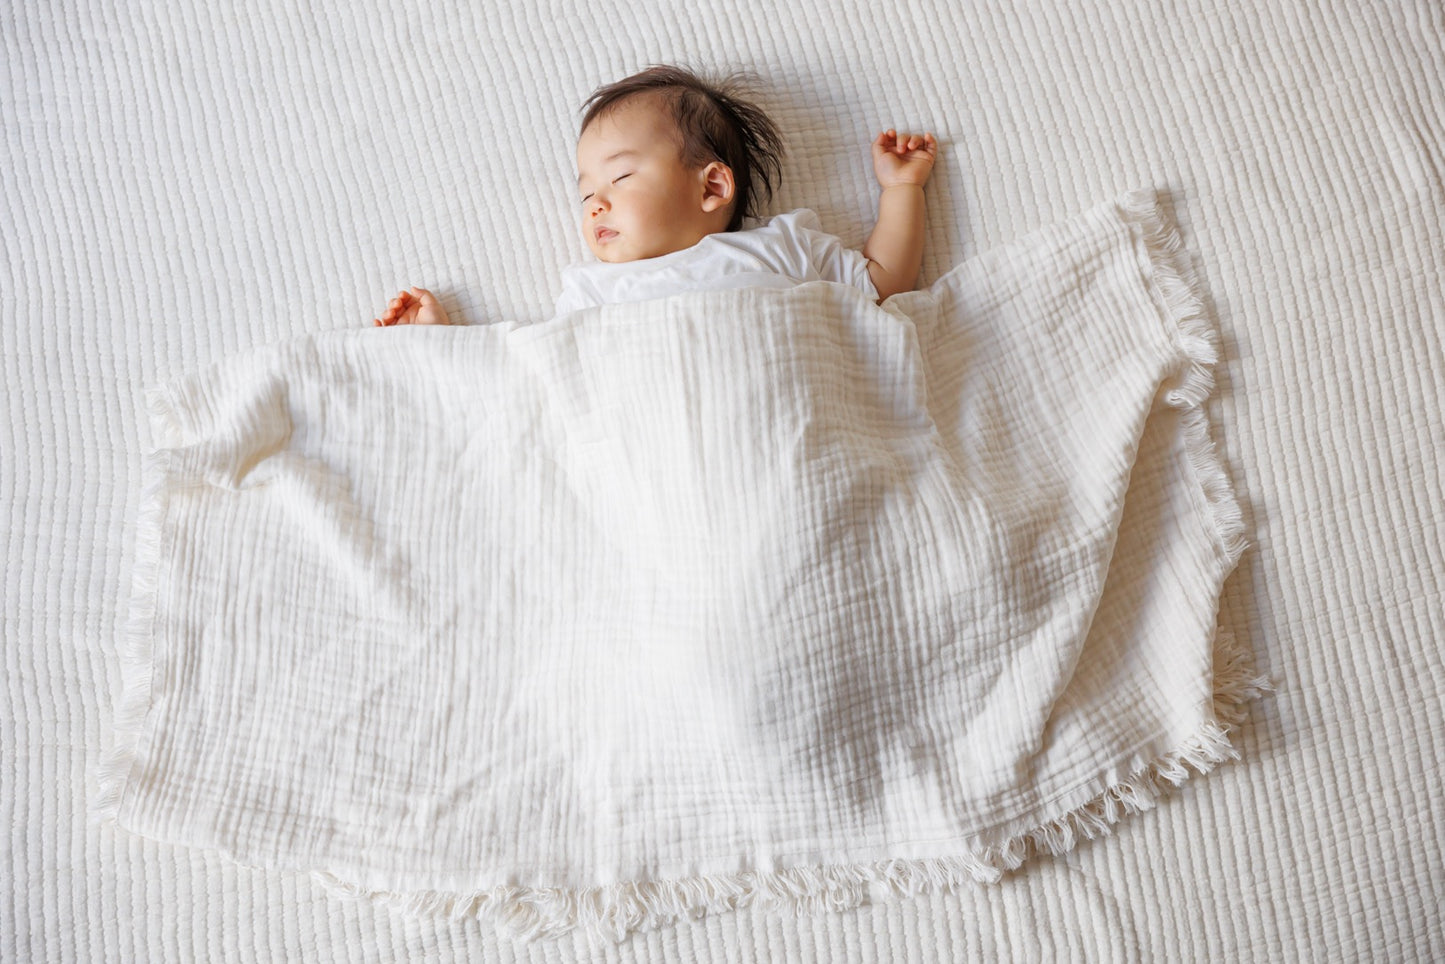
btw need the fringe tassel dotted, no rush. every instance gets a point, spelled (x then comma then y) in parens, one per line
(134, 647)
(1195, 336)
(612, 913)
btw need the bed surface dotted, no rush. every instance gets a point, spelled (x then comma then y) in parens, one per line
(183, 181)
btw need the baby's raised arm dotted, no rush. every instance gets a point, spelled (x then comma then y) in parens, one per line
(902, 164)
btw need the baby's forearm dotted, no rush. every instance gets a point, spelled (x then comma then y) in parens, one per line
(895, 248)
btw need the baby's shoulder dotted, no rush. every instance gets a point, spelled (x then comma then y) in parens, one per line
(788, 221)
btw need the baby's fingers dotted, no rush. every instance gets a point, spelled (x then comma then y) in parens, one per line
(394, 309)
(917, 142)
(890, 141)
(902, 144)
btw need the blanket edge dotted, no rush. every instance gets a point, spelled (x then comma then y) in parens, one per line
(134, 647)
(614, 912)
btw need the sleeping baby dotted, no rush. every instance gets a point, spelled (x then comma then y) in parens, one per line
(670, 171)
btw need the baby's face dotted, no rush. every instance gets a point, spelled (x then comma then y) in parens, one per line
(638, 199)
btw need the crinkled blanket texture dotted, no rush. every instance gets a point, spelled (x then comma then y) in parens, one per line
(658, 609)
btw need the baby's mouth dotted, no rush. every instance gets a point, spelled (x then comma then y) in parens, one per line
(605, 234)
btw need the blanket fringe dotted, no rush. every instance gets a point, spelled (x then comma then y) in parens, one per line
(134, 648)
(1194, 333)
(613, 912)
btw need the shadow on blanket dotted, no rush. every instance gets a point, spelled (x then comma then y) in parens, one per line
(730, 597)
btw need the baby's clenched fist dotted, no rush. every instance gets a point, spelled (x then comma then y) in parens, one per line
(415, 306)
(903, 158)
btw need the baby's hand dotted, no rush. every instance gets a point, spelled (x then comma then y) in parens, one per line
(414, 307)
(903, 158)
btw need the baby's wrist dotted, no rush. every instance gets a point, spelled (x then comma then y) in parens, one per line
(892, 185)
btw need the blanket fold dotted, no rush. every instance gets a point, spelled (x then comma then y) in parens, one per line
(649, 610)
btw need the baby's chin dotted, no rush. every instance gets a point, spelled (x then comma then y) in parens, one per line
(614, 251)
(619, 252)
(614, 256)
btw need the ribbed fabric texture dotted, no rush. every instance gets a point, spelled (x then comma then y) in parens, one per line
(184, 181)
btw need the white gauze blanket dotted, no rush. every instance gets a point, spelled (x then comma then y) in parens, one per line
(654, 609)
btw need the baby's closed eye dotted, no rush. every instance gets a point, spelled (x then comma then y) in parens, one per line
(614, 181)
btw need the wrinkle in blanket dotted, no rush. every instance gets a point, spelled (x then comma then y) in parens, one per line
(649, 610)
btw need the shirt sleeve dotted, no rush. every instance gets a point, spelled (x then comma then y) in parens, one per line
(830, 257)
(572, 296)
(566, 301)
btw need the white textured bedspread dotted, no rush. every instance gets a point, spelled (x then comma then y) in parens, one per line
(652, 609)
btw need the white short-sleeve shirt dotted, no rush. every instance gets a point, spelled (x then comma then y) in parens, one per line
(777, 252)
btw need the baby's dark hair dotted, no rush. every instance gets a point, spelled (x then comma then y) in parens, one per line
(714, 123)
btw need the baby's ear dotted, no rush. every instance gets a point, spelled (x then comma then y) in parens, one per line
(717, 186)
